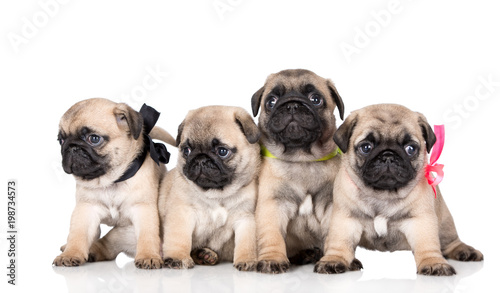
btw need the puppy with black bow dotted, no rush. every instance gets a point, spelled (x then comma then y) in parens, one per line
(108, 148)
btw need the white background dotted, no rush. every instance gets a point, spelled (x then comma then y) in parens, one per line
(427, 55)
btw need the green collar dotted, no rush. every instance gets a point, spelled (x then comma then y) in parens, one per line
(266, 153)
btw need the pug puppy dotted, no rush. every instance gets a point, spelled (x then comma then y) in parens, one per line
(382, 198)
(116, 165)
(207, 202)
(299, 164)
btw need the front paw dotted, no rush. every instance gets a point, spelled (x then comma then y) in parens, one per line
(327, 267)
(173, 263)
(273, 267)
(148, 263)
(336, 265)
(435, 267)
(246, 266)
(464, 252)
(69, 260)
(204, 256)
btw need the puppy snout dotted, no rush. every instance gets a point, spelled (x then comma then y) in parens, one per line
(292, 107)
(201, 164)
(388, 157)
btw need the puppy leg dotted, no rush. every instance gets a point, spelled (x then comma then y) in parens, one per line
(340, 245)
(245, 250)
(118, 239)
(147, 229)
(451, 246)
(422, 235)
(84, 228)
(271, 232)
(178, 237)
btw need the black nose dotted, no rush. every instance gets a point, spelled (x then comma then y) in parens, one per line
(387, 157)
(292, 107)
(201, 159)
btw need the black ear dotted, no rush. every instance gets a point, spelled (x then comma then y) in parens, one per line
(343, 135)
(336, 98)
(256, 98)
(427, 132)
(179, 133)
(248, 126)
(129, 120)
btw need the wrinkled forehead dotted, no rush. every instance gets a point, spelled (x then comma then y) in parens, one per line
(296, 80)
(388, 127)
(98, 119)
(218, 125)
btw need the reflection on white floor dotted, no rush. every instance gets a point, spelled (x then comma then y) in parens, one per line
(122, 276)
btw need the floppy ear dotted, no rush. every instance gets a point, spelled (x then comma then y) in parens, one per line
(343, 135)
(247, 126)
(427, 132)
(256, 98)
(129, 120)
(179, 134)
(336, 98)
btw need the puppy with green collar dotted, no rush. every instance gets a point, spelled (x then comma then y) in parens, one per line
(295, 182)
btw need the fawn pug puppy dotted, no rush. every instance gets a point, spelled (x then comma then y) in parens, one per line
(296, 179)
(207, 202)
(382, 200)
(116, 165)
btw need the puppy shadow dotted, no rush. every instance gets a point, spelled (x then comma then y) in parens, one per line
(107, 276)
(353, 282)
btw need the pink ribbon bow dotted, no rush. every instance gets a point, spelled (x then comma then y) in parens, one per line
(436, 153)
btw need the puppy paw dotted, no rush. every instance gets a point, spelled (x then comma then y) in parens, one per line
(356, 265)
(326, 267)
(307, 256)
(464, 252)
(336, 265)
(246, 266)
(172, 263)
(204, 256)
(435, 267)
(272, 267)
(148, 263)
(69, 260)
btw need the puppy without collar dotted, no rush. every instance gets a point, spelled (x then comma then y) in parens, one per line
(382, 200)
(207, 202)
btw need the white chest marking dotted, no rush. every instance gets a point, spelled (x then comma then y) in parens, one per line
(113, 213)
(306, 207)
(380, 225)
(219, 216)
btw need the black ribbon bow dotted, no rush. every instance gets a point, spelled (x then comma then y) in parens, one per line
(157, 151)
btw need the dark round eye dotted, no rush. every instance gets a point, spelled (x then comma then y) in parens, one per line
(316, 99)
(365, 148)
(410, 149)
(271, 102)
(223, 152)
(186, 151)
(60, 140)
(94, 139)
